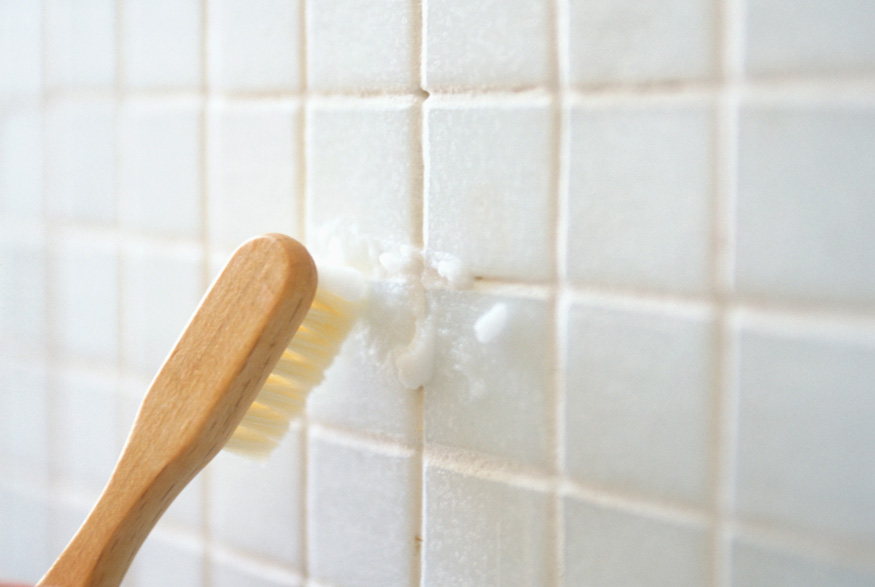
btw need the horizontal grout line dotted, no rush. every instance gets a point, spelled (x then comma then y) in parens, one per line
(369, 441)
(487, 467)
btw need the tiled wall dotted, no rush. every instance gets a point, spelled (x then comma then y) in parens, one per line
(673, 202)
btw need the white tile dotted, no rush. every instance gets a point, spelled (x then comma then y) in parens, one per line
(161, 43)
(480, 532)
(757, 566)
(361, 389)
(160, 168)
(23, 321)
(639, 42)
(640, 188)
(255, 44)
(80, 43)
(81, 155)
(25, 553)
(257, 506)
(362, 518)
(360, 171)
(488, 186)
(21, 52)
(809, 37)
(639, 399)
(161, 292)
(609, 547)
(86, 299)
(491, 397)
(88, 441)
(21, 164)
(355, 45)
(805, 439)
(806, 215)
(166, 559)
(253, 167)
(490, 44)
(229, 570)
(24, 416)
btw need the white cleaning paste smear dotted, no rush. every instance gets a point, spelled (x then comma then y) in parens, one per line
(415, 363)
(342, 281)
(491, 324)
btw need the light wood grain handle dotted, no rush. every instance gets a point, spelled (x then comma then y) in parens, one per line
(236, 336)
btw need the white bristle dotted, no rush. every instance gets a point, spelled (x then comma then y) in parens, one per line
(301, 367)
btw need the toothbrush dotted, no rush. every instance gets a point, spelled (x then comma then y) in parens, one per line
(220, 368)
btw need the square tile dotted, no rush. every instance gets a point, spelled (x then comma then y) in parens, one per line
(805, 213)
(21, 51)
(494, 44)
(25, 552)
(80, 43)
(24, 417)
(480, 532)
(639, 194)
(21, 164)
(757, 566)
(489, 189)
(640, 383)
(360, 171)
(86, 299)
(640, 42)
(610, 547)
(81, 159)
(252, 171)
(361, 518)
(230, 570)
(493, 396)
(160, 168)
(815, 37)
(162, 289)
(271, 523)
(255, 44)
(88, 442)
(168, 559)
(362, 390)
(23, 322)
(805, 439)
(161, 43)
(355, 45)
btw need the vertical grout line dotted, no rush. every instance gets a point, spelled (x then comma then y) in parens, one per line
(729, 31)
(419, 226)
(203, 163)
(560, 190)
(303, 183)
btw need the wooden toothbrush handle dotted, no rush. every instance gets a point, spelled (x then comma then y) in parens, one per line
(203, 390)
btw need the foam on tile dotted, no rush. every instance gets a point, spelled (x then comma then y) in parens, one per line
(415, 362)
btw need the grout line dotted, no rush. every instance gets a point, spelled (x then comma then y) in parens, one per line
(725, 411)
(560, 165)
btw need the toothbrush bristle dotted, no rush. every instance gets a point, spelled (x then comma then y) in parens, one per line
(300, 369)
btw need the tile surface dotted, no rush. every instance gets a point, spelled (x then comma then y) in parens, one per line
(361, 525)
(639, 398)
(356, 44)
(480, 532)
(491, 397)
(488, 189)
(486, 45)
(606, 547)
(805, 207)
(640, 42)
(639, 194)
(805, 442)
